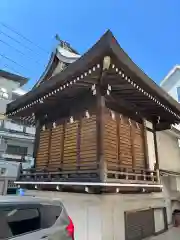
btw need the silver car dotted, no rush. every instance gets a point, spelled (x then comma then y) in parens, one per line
(25, 218)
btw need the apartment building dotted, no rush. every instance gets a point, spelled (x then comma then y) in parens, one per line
(16, 137)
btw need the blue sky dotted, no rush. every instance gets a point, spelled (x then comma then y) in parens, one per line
(147, 30)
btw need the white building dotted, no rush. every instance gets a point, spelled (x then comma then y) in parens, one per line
(16, 138)
(169, 148)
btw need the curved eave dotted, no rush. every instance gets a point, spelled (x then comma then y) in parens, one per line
(63, 56)
(47, 69)
(150, 94)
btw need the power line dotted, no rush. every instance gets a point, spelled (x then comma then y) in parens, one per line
(9, 59)
(20, 52)
(15, 40)
(22, 36)
(11, 68)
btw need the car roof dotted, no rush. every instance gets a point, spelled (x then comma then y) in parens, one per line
(16, 200)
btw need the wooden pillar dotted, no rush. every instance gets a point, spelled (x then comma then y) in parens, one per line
(146, 155)
(132, 136)
(118, 140)
(49, 146)
(100, 134)
(36, 142)
(62, 145)
(101, 91)
(156, 154)
(79, 143)
(156, 148)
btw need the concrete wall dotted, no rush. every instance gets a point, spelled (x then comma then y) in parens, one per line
(169, 152)
(151, 149)
(2, 145)
(3, 104)
(8, 84)
(3, 186)
(101, 217)
(170, 197)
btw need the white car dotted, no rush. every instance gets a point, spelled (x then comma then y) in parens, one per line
(34, 218)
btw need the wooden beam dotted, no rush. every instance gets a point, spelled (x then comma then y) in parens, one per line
(49, 146)
(132, 136)
(162, 126)
(118, 139)
(156, 149)
(62, 144)
(36, 142)
(100, 134)
(146, 155)
(79, 143)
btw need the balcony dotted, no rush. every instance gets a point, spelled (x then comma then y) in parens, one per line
(125, 176)
(27, 161)
(16, 127)
(13, 130)
(13, 126)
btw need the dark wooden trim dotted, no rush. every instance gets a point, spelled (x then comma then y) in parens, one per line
(150, 130)
(100, 133)
(79, 142)
(118, 139)
(156, 150)
(36, 142)
(132, 136)
(49, 146)
(122, 108)
(162, 126)
(165, 219)
(62, 143)
(146, 155)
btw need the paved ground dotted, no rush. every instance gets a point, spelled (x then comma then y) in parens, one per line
(172, 234)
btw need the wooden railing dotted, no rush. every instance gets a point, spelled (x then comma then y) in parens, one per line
(91, 174)
(132, 174)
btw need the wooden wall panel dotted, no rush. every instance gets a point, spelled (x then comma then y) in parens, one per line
(43, 149)
(70, 146)
(88, 143)
(125, 142)
(139, 147)
(55, 158)
(110, 143)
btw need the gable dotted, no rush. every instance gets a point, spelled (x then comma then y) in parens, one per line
(59, 60)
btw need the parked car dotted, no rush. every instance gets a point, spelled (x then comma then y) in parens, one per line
(25, 218)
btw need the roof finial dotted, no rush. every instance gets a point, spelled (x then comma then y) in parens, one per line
(65, 44)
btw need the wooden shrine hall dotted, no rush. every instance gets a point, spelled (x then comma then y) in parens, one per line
(93, 120)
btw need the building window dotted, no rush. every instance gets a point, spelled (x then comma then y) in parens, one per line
(16, 150)
(178, 93)
(3, 93)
